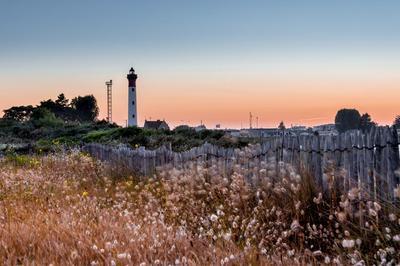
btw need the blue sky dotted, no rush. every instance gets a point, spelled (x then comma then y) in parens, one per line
(79, 44)
(179, 28)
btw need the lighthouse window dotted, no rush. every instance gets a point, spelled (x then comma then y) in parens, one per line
(133, 89)
(133, 102)
(133, 116)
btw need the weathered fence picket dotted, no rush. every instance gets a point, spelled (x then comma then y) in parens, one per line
(356, 160)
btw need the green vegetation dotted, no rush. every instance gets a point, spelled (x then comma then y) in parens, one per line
(53, 135)
(180, 139)
(58, 124)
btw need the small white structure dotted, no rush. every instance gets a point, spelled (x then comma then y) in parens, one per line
(132, 104)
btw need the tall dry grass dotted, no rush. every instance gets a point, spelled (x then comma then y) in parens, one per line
(66, 210)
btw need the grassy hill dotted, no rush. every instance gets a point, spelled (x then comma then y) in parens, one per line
(27, 136)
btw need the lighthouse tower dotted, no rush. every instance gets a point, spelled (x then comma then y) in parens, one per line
(132, 104)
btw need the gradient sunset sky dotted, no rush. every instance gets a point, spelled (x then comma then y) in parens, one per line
(215, 61)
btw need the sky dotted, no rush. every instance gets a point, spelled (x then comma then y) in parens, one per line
(212, 61)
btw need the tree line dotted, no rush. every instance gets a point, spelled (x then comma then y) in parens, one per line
(49, 112)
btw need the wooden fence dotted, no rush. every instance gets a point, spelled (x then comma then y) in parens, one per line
(368, 161)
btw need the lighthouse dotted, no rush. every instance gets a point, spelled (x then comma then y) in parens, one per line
(132, 104)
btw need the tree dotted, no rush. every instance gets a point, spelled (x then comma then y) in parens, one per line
(19, 113)
(366, 122)
(62, 101)
(347, 119)
(86, 108)
(59, 107)
(42, 117)
(282, 126)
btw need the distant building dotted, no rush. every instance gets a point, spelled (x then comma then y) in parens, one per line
(158, 124)
(265, 132)
(298, 128)
(255, 132)
(327, 129)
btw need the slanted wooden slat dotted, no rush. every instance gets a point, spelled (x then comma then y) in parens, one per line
(369, 160)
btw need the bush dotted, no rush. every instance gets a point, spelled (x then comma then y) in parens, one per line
(42, 117)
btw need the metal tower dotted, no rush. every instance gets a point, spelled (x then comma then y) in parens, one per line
(109, 101)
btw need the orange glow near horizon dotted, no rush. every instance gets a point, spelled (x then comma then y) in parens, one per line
(226, 100)
(298, 102)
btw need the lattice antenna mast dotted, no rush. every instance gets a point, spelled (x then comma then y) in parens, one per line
(251, 120)
(109, 101)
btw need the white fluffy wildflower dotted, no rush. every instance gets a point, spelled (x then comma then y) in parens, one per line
(184, 260)
(213, 218)
(377, 207)
(317, 253)
(224, 261)
(372, 212)
(74, 255)
(295, 226)
(264, 251)
(341, 216)
(319, 199)
(348, 243)
(227, 236)
(123, 256)
(391, 250)
(396, 238)
(392, 217)
(234, 225)
(353, 193)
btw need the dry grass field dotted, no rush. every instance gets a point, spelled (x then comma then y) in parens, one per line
(67, 209)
